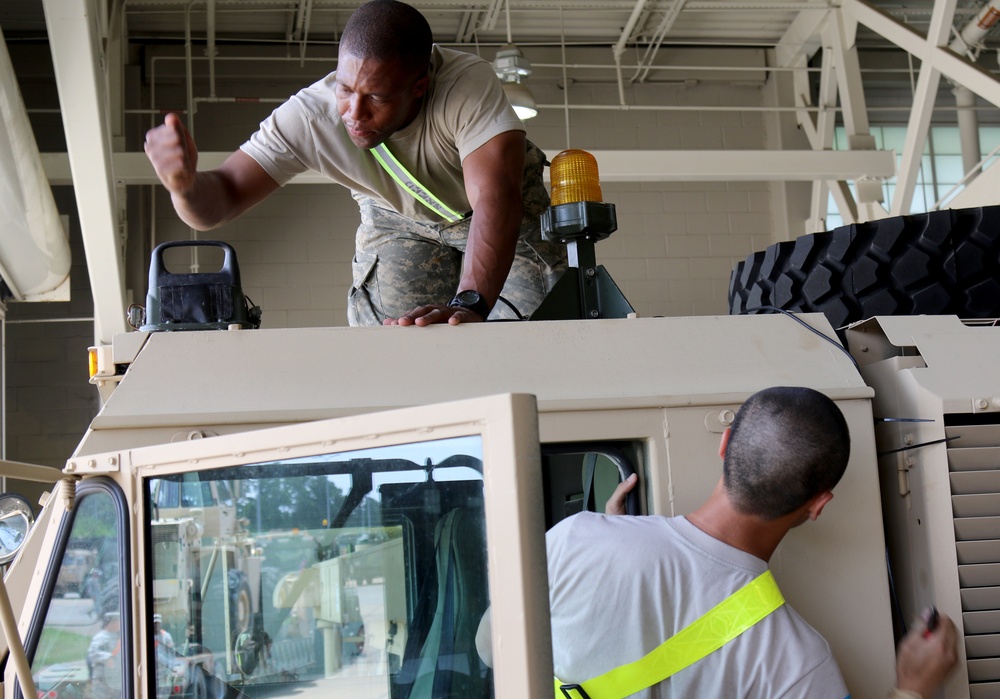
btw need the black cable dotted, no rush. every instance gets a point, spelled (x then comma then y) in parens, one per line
(893, 594)
(807, 327)
(511, 307)
(916, 446)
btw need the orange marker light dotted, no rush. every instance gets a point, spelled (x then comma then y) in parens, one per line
(574, 177)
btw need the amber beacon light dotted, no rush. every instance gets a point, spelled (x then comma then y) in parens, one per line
(577, 210)
(575, 178)
(579, 218)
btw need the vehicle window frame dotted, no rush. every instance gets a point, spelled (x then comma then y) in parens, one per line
(84, 489)
(508, 427)
(618, 452)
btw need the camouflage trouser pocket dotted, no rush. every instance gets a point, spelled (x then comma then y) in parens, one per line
(364, 304)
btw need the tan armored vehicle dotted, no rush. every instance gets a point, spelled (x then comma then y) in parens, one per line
(328, 512)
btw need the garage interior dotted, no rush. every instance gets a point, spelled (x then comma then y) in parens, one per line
(720, 127)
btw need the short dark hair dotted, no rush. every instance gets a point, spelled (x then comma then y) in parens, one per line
(787, 445)
(389, 30)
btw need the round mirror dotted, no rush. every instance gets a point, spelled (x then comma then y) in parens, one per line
(245, 653)
(16, 519)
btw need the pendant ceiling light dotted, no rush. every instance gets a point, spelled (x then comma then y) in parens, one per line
(511, 67)
(520, 99)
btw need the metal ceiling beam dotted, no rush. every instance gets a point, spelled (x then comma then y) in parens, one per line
(629, 30)
(849, 85)
(826, 121)
(840, 76)
(466, 27)
(300, 19)
(841, 33)
(947, 62)
(492, 15)
(925, 94)
(75, 39)
(936, 59)
(801, 41)
(615, 166)
(929, 50)
(666, 24)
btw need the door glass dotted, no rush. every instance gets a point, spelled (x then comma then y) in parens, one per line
(79, 653)
(358, 574)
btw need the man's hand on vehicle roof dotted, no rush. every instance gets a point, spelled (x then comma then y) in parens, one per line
(433, 315)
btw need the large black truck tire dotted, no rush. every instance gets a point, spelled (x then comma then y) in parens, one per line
(943, 262)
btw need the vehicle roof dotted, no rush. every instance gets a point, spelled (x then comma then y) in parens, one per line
(247, 379)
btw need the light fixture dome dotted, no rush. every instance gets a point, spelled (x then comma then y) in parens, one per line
(520, 99)
(511, 67)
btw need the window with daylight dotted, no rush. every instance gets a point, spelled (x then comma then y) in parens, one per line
(940, 166)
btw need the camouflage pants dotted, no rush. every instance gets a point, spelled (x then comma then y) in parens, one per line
(400, 264)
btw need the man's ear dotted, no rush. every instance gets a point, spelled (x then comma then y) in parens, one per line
(816, 505)
(724, 442)
(420, 87)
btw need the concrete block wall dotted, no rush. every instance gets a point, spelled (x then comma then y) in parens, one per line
(48, 400)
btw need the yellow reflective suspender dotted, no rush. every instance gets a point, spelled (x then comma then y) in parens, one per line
(714, 629)
(412, 185)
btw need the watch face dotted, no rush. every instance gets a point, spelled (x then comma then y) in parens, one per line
(469, 297)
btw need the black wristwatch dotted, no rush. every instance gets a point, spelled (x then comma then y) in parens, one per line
(473, 301)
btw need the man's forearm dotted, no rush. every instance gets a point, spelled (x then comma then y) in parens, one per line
(218, 196)
(490, 249)
(493, 177)
(207, 204)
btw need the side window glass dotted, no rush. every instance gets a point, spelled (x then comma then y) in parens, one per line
(359, 574)
(225, 497)
(168, 495)
(580, 477)
(79, 651)
(191, 494)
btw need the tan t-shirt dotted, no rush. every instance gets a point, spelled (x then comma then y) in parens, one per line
(464, 107)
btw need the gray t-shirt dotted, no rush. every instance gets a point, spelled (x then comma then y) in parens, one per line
(619, 586)
(464, 107)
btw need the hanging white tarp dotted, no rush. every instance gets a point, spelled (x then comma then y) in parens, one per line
(34, 250)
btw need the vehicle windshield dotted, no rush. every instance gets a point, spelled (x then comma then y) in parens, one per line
(354, 575)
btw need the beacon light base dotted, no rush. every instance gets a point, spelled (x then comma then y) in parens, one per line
(590, 220)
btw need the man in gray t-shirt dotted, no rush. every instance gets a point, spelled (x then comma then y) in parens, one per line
(620, 586)
(443, 116)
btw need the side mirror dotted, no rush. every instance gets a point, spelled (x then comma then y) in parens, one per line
(16, 519)
(246, 653)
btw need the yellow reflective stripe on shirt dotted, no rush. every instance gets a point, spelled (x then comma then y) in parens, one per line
(412, 185)
(714, 629)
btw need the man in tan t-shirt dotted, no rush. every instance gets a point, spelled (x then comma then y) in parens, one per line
(443, 116)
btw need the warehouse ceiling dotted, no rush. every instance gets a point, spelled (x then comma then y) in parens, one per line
(632, 23)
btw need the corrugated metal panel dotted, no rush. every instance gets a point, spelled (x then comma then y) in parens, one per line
(974, 465)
